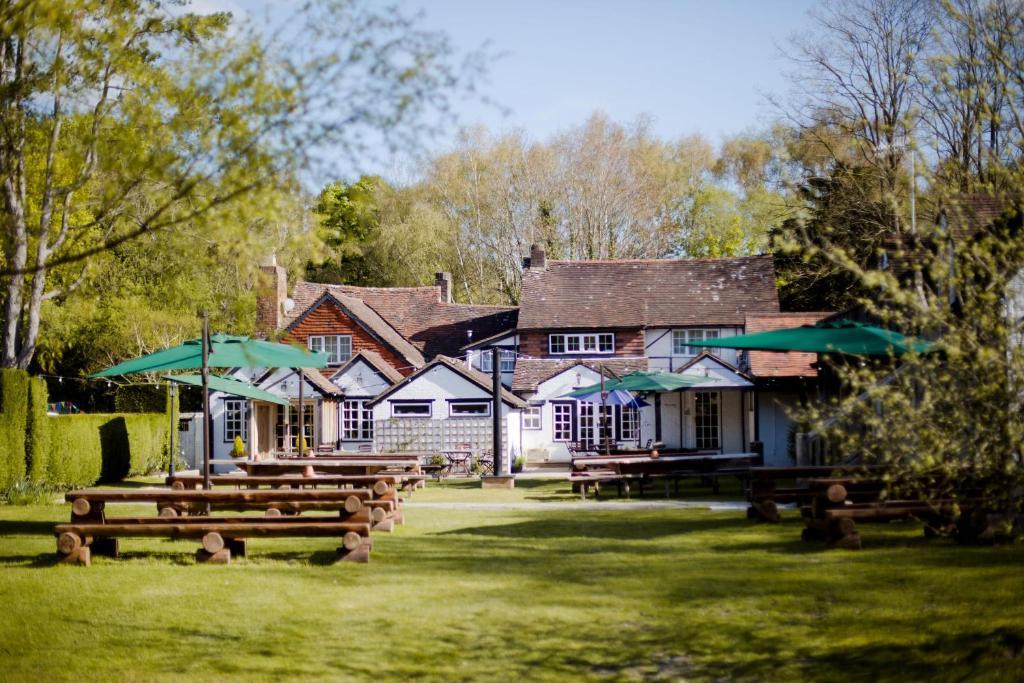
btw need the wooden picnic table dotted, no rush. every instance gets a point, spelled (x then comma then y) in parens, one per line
(91, 530)
(620, 468)
(404, 480)
(346, 466)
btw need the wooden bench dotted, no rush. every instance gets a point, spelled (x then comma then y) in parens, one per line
(764, 494)
(220, 537)
(89, 504)
(592, 479)
(407, 482)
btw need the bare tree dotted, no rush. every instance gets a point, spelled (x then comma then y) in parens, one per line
(856, 73)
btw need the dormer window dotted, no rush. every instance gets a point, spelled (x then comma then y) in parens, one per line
(338, 347)
(582, 343)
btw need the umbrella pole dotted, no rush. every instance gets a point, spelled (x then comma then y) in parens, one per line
(602, 426)
(207, 422)
(302, 418)
(172, 392)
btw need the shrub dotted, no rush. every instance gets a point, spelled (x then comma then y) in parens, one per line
(517, 464)
(13, 406)
(76, 452)
(239, 448)
(37, 433)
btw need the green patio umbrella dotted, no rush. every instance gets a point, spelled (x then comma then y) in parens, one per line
(222, 351)
(840, 336)
(226, 351)
(229, 385)
(644, 381)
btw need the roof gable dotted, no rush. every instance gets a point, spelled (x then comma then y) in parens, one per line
(272, 380)
(647, 293)
(478, 379)
(367, 319)
(363, 376)
(418, 314)
(720, 375)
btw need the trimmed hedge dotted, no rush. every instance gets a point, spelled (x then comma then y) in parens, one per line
(13, 404)
(37, 433)
(66, 451)
(88, 448)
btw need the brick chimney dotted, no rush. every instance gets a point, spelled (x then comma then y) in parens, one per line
(444, 282)
(271, 291)
(538, 261)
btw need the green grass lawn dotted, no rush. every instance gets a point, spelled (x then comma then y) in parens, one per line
(530, 594)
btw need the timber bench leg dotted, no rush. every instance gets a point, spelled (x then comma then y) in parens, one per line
(354, 548)
(73, 549)
(214, 550)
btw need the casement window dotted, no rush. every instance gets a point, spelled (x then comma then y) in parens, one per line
(235, 419)
(706, 419)
(469, 408)
(532, 417)
(287, 431)
(356, 421)
(562, 421)
(338, 347)
(583, 343)
(508, 360)
(629, 424)
(682, 337)
(411, 409)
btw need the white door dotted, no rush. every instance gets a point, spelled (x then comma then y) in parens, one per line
(707, 420)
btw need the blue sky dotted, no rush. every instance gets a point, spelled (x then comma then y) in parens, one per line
(691, 66)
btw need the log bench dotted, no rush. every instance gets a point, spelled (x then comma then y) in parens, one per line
(377, 482)
(592, 479)
(89, 505)
(220, 537)
(765, 495)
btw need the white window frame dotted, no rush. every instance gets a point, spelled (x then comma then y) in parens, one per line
(533, 417)
(453, 405)
(428, 403)
(356, 420)
(337, 346)
(691, 335)
(582, 343)
(281, 438)
(236, 419)
(629, 429)
(507, 356)
(561, 421)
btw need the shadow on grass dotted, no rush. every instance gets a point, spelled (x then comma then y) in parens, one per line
(943, 657)
(10, 527)
(589, 525)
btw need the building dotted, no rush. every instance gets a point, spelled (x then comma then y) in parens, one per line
(581, 319)
(410, 369)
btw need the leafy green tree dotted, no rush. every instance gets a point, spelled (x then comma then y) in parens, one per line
(121, 121)
(349, 225)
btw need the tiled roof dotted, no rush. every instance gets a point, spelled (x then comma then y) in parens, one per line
(531, 372)
(322, 383)
(789, 364)
(647, 293)
(370, 319)
(418, 314)
(476, 377)
(376, 362)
